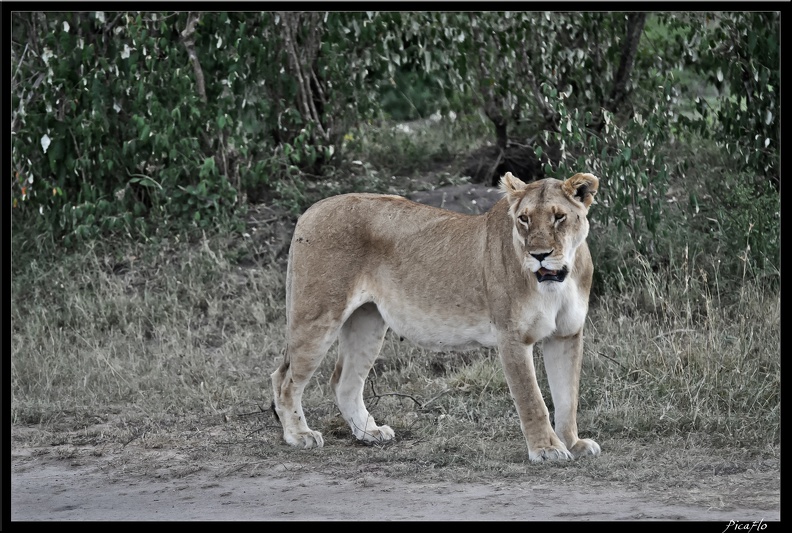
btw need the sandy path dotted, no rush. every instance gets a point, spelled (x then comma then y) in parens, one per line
(57, 491)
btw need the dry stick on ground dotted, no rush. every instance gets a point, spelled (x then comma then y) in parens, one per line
(134, 437)
(612, 360)
(421, 405)
(262, 428)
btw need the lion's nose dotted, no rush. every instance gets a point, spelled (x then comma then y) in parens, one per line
(540, 257)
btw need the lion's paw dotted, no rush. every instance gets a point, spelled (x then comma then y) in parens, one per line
(379, 435)
(305, 439)
(549, 453)
(584, 447)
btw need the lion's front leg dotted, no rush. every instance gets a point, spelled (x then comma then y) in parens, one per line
(563, 359)
(518, 366)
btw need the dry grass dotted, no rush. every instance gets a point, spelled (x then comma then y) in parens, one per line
(171, 346)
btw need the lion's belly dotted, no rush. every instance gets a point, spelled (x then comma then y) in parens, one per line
(460, 320)
(461, 332)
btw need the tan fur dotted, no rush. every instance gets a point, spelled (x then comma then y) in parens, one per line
(361, 263)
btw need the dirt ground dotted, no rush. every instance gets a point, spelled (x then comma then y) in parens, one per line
(87, 487)
(138, 483)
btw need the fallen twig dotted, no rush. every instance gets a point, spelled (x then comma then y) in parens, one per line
(421, 405)
(611, 359)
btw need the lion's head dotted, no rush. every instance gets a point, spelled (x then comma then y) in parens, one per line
(550, 223)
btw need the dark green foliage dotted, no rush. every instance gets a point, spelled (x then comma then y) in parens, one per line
(114, 134)
(410, 95)
(739, 54)
(124, 120)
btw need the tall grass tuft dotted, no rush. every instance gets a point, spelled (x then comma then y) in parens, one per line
(669, 357)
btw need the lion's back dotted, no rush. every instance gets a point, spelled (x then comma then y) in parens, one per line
(399, 246)
(361, 220)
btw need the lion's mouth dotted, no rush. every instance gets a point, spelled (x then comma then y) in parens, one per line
(544, 274)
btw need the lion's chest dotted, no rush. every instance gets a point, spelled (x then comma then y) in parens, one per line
(560, 312)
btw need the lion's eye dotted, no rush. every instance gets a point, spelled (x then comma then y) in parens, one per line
(559, 217)
(524, 219)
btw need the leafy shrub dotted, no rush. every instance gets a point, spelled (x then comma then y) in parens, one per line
(125, 118)
(739, 54)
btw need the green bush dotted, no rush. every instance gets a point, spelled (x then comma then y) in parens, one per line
(122, 119)
(739, 54)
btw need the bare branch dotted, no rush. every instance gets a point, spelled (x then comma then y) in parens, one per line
(290, 23)
(189, 43)
(611, 359)
(421, 405)
(400, 394)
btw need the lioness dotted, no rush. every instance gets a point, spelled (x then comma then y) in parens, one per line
(520, 273)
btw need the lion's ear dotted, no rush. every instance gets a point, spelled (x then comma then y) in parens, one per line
(582, 188)
(512, 188)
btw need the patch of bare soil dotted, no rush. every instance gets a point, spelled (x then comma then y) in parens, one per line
(470, 198)
(118, 486)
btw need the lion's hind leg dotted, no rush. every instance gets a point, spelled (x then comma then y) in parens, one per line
(305, 351)
(359, 343)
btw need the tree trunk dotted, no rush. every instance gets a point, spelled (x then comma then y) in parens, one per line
(501, 124)
(635, 25)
